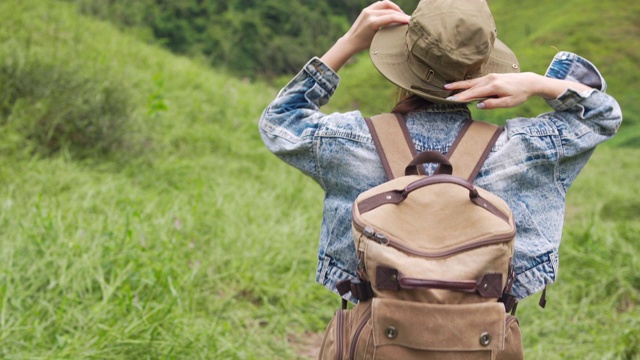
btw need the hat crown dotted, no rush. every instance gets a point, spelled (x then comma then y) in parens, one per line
(445, 41)
(449, 40)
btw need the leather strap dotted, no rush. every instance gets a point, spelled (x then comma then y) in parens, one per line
(393, 143)
(359, 289)
(396, 148)
(472, 147)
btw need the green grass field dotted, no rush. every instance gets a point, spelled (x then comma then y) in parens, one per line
(174, 234)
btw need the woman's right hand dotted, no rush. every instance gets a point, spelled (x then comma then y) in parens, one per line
(512, 89)
(362, 31)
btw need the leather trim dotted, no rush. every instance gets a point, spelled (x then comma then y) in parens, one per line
(485, 154)
(458, 139)
(389, 197)
(429, 157)
(397, 196)
(359, 226)
(463, 131)
(482, 202)
(379, 148)
(487, 286)
(471, 148)
(407, 136)
(395, 152)
(387, 278)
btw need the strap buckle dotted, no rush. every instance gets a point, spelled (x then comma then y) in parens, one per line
(361, 290)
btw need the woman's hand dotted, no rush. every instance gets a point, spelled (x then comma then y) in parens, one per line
(510, 90)
(362, 31)
(372, 18)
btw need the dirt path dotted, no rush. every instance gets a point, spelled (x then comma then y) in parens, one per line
(307, 345)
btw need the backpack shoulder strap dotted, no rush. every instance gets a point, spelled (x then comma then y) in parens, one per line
(393, 143)
(396, 148)
(472, 147)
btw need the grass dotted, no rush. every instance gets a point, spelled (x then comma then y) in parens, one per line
(593, 310)
(191, 241)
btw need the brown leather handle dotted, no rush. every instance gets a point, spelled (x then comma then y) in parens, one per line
(426, 157)
(398, 196)
(488, 285)
(440, 179)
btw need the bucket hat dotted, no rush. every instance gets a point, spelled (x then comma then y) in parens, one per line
(445, 41)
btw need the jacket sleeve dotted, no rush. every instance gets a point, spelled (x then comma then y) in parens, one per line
(583, 120)
(289, 123)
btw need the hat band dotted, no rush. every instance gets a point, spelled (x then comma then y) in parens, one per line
(432, 82)
(441, 93)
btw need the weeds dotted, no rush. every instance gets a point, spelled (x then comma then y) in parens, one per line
(58, 107)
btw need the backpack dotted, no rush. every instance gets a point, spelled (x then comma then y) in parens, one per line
(434, 257)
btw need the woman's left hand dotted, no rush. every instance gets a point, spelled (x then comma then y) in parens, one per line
(362, 31)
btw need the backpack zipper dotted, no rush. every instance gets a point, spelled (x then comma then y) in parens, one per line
(339, 334)
(510, 319)
(463, 285)
(382, 239)
(356, 335)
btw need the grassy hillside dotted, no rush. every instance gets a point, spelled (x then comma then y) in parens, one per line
(141, 216)
(166, 246)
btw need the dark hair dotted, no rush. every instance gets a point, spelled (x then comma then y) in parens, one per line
(410, 102)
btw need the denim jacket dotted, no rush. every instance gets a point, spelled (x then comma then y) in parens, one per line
(531, 166)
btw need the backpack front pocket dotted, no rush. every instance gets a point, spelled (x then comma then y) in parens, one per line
(408, 330)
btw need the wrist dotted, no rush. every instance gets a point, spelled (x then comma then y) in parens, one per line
(339, 53)
(552, 88)
(547, 88)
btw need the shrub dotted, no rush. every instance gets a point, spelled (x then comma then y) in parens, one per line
(56, 107)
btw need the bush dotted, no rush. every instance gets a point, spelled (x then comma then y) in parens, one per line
(57, 108)
(246, 37)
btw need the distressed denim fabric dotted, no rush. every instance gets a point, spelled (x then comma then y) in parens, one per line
(531, 166)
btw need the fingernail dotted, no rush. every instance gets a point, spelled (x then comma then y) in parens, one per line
(480, 105)
(446, 86)
(452, 98)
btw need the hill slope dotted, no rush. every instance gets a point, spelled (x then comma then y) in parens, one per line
(182, 237)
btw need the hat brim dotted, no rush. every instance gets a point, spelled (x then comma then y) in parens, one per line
(388, 54)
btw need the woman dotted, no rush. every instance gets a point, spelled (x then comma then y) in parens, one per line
(531, 166)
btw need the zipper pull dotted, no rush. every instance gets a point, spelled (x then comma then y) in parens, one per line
(369, 232)
(361, 270)
(373, 235)
(381, 239)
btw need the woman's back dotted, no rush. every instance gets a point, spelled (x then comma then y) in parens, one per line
(532, 165)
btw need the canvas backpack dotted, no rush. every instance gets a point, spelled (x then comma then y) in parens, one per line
(434, 257)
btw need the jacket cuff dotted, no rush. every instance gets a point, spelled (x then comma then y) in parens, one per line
(323, 75)
(572, 67)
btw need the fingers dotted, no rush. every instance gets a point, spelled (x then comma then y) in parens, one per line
(371, 19)
(461, 85)
(470, 89)
(386, 4)
(499, 90)
(388, 17)
(362, 31)
(499, 103)
(385, 12)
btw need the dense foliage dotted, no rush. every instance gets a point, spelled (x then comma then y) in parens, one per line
(248, 37)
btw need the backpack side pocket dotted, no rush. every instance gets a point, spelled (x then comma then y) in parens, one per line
(348, 333)
(512, 341)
